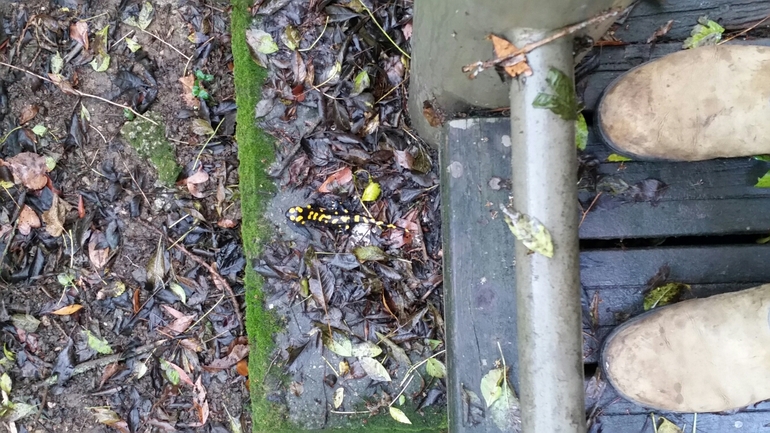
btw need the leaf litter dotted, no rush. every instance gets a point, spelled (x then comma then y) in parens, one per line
(356, 300)
(86, 287)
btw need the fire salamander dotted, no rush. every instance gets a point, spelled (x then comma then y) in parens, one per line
(340, 218)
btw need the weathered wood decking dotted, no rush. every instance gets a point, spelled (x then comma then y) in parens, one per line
(710, 209)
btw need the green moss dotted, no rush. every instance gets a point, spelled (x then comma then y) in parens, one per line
(255, 152)
(150, 142)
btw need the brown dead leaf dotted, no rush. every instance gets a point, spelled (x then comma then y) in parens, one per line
(176, 314)
(28, 113)
(28, 220)
(183, 376)
(98, 251)
(336, 179)
(55, 215)
(79, 32)
(62, 84)
(242, 367)
(109, 371)
(136, 301)
(81, 207)
(433, 114)
(190, 344)
(188, 81)
(404, 159)
(29, 169)
(239, 352)
(200, 403)
(227, 223)
(514, 67)
(195, 183)
(660, 31)
(69, 309)
(407, 30)
(181, 321)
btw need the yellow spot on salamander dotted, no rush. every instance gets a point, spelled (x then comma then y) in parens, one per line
(298, 209)
(297, 218)
(335, 221)
(356, 218)
(344, 218)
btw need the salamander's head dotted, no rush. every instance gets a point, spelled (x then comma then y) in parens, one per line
(294, 214)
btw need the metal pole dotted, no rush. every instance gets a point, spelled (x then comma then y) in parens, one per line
(548, 290)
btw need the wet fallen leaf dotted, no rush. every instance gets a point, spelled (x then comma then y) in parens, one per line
(39, 130)
(28, 169)
(398, 415)
(227, 223)
(491, 388)
(238, 352)
(195, 183)
(109, 371)
(338, 343)
(62, 83)
(666, 426)
(57, 63)
(531, 232)
(171, 374)
(98, 250)
(55, 215)
(188, 81)
(581, 132)
(506, 412)
(181, 321)
(433, 114)
(97, 343)
(242, 367)
(261, 41)
(339, 395)
(28, 220)
(69, 309)
(764, 181)
(369, 253)
(518, 65)
(562, 101)
(133, 45)
(660, 31)
(200, 403)
(614, 157)
(179, 292)
(19, 411)
(664, 295)
(336, 179)
(143, 19)
(374, 369)
(706, 32)
(28, 113)
(371, 192)
(435, 368)
(360, 83)
(101, 61)
(367, 348)
(183, 376)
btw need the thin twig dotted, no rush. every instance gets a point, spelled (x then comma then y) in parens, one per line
(589, 208)
(317, 39)
(743, 32)
(518, 56)
(81, 94)
(136, 183)
(165, 43)
(384, 32)
(214, 274)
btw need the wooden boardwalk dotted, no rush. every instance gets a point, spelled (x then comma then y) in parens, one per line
(704, 227)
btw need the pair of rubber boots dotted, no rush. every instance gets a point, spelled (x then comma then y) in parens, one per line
(700, 355)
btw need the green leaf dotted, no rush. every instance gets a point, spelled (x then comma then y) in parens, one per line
(291, 37)
(144, 19)
(764, 181)
(101, 61)
(261, 41)
(179, 292)
(367, 348)
(133, 45)
(374, 369)
(84, 113)
(765, 158)
(398, 415)
(667, 426)
(664, 295)
(203, 76)
(25, 322)
(369, 253)
(706, 32)
(105, 415)
(614, 157)
(9, 353)
(581, 132)
(371, 192)
(531, 232)
(434, 344)
(338, 343)
(360, 83)
(98, 344)
(490, 386)
(140, 369)
(39, 130)
(5, 383)
(562, 101)
(435, 368)
(170, 372)
(19, 411)
(57, 63)
(763, 240)
(505, 412)
(66, 279)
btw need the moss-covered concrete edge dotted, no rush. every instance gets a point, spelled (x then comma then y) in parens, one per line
(255, 152)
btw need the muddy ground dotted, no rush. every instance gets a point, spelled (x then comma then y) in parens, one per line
(160, 331)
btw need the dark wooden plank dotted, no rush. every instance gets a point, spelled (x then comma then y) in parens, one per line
(647, 16)
(745, 422)
(479, 293)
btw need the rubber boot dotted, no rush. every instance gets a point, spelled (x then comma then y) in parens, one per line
(692, 105)
(701, 355)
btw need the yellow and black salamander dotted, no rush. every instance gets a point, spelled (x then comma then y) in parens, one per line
(340, 218)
